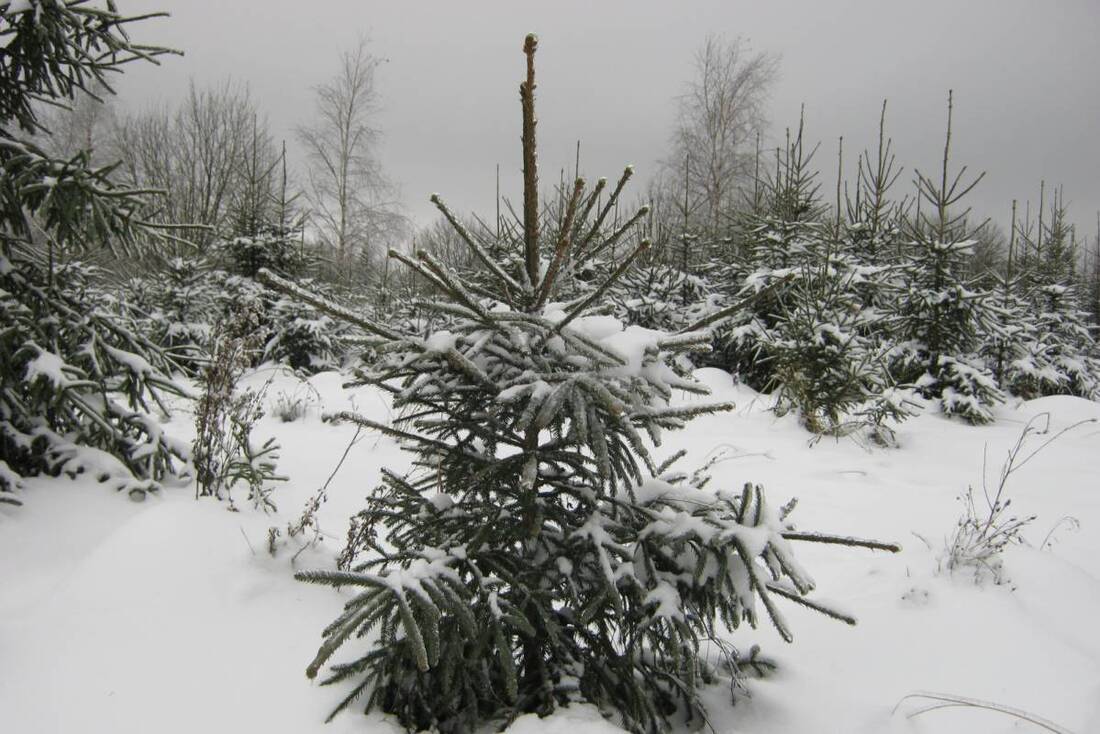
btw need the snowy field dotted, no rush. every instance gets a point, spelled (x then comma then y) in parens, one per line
(171, 616)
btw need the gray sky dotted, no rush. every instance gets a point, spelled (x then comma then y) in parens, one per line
(1026, 77)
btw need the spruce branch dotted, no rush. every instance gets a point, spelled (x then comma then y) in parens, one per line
(577, 309)
(288, 288)
(561, 250)
(509, 283)
(628, 172)
(842, 540)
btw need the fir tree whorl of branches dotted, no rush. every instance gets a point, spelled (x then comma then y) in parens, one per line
(537, 553)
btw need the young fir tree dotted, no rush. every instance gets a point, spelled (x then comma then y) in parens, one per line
(872, 238)
(1011, 331)
(266, 234)
(78, 391)
(802, 331)
(781, 233)
(941, 318)
(825, 359)
(1065, 346)
(873, 233)
(1059, 356)
(537, 554)
(266, 225)
(186, 293)
(671, 286)
(1091, 273)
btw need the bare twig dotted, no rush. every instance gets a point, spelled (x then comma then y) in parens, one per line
(948, 700)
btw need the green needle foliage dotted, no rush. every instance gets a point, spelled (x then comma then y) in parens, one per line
(537, 554)
(78, 392)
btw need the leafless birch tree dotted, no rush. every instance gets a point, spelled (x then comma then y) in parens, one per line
(353, 202)
(721, 112)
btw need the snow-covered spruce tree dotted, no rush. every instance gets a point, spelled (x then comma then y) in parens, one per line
(78, 392)
(1059, 351)
(941, 318)
(823, 360)
(873, 235)
(671, 285)
(802, 330)
(267, 231)
(176, 305)
(1091, 277)
(1064, 346)
(266, 224)
(870, 246)
(780, 233)
(537, 555)
(269, 247)
(1006, 347)
(303, 338)
(293, 333)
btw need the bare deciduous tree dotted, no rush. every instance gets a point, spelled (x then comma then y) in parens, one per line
(194, 153)
(81, 125)
(353, 202)
(720, 115)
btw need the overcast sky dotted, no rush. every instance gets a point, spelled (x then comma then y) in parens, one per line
(1026, 76)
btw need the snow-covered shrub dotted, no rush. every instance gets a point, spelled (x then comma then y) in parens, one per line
(962, 386)
(537, 554)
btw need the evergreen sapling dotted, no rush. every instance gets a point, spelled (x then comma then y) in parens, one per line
(941, 318)
(537, 554)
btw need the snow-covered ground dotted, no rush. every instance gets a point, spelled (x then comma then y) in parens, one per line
(171, 616)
